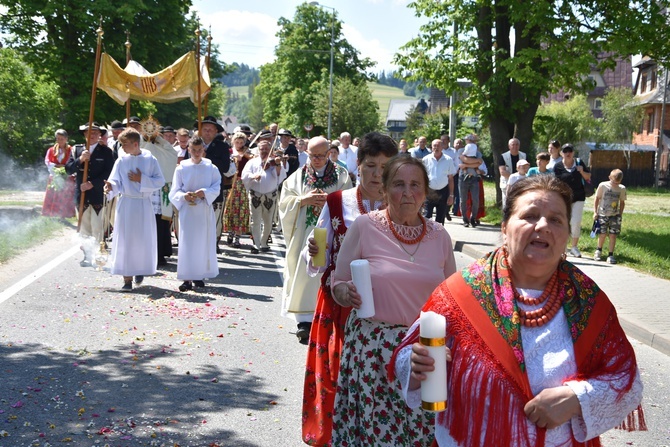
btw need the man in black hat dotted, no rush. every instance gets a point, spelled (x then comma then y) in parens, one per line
(169, 134)
(218, 151)
(289, 150)
(117, 127)
(100, 162)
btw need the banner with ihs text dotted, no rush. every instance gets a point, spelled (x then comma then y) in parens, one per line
(174, 83)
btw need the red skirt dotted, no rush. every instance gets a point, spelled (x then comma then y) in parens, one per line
(481, 211)
(59, 203)
(323, 366)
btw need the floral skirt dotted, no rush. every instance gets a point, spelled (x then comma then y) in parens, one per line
(237, 214)
(59, 201)
(370, 411)
(322, 368)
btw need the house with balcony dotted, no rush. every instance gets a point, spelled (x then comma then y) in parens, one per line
(649, 89)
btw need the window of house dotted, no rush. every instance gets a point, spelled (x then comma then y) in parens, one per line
(650, 122)
(598, 104)
(643, 83)
(653, 79)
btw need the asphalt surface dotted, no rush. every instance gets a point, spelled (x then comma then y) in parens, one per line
(84, 364)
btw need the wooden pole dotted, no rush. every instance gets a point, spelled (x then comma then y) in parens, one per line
(128, 58)
(197, 63)
(209, 55)
(91, 113)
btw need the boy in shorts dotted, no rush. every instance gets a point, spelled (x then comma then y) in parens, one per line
(610, 200)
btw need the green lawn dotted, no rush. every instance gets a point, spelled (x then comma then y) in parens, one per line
(384, 94)
(27, 235)
(644, 242)
(242, 90)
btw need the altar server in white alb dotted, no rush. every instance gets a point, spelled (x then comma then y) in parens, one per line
(135, 176)
(195, 186)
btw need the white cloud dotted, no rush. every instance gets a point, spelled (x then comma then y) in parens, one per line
(243, 36)
(372, 48)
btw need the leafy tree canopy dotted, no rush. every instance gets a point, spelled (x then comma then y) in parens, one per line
(354, 109)
(568, 122)
(622, 116)
(27, 105)
(288, 84)
(58, 39)
(514, 52)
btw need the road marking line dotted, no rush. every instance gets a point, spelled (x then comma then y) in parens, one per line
(25, 282)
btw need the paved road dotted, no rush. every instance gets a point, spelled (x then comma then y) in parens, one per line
(86, 365)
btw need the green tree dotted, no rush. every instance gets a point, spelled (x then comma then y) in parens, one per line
(621, 116)
(414, 122)
(354, 109)
(27, 105)
(514, 52)
(288, 84)
(569, 122)
(58, 39)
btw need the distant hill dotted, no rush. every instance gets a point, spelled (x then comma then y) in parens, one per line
(383, 94)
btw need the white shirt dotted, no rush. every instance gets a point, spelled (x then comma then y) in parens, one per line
(438, 170)
(350, 157)
(302, 158)
(269, 181)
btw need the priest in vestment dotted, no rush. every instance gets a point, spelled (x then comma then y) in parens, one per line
(195, 186)
(135, 176)
(303, 195)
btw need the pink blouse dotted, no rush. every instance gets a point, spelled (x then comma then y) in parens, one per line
(400, 287)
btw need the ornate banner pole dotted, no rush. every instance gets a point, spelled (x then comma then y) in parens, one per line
(209, 54)
(197, 63)
(128, 59)
(90, 117)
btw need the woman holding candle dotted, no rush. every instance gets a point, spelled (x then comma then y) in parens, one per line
(537, 356)
(327, 332)
(408, 256)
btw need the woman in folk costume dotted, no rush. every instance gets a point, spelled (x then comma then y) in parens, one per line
(327, 333)
(236, 217)
(536, 353)
(59, 197)
(303, 195)
(195, 186)
(408, 256)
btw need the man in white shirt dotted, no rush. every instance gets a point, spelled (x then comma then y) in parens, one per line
(349, 155)
(262, 176)
(441, 170)
(451, 153)
(507, 164)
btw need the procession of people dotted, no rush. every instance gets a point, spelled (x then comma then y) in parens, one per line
(189, 188)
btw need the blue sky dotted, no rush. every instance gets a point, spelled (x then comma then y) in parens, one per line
(245, 31)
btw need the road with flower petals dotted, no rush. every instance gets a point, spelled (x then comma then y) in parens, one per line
(85, 364)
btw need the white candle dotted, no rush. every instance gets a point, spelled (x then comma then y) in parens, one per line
(319, 260)
(360, 275)
(433, 329)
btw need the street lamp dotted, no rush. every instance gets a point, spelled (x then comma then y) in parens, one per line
(332, 48)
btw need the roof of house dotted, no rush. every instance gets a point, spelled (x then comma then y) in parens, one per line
(399, 108)
(621, 147)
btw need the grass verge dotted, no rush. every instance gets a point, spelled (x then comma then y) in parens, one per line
(644, 242)
(27, 235)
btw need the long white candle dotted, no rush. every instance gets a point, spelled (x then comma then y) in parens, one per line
(433, 328)
(360, 275)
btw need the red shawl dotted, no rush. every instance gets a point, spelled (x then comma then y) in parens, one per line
(484, 329)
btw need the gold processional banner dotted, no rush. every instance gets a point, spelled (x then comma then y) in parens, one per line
(174, 83)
